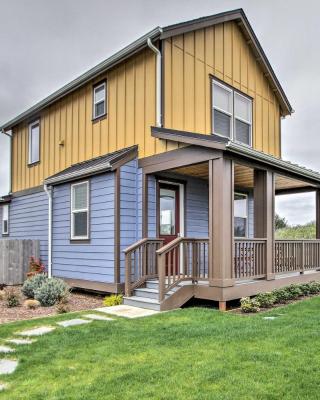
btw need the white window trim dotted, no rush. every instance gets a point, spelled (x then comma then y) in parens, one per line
(94, 103)
(247, 217)
(87, 210)
(31, 126)
(232, 114)
(3, 230)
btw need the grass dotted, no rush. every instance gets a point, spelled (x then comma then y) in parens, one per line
(307, 231)
(185, 354)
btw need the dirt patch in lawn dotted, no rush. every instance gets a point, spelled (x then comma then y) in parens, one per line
(78, 301)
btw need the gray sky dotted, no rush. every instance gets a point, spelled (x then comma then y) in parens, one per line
(44, 44)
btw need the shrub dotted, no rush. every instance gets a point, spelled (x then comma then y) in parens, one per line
(12, 297)
(31, 285)
(35, 267)
(113, 300)
(51, 291)
(305, 289)
(32, 304)
(249, 305)
(62, 308)
(314, 287)
(281, 295)
(266, 300)
(293, 291)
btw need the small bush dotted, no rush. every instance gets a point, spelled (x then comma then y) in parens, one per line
(31, 285)
(51, 291)
(35, 267)
(62, 308)
(31, 304)
(12, 297)
(113, 300)
(314, 287)
(305, 289)
(294, 291)
(266, 300)
(249, 305)
(281, 295)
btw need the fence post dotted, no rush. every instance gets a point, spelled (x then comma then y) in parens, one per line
(128, 273)
(302, 258)
(162, 275)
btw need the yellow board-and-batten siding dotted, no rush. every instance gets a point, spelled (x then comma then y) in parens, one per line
(68, 134)
(221, 51)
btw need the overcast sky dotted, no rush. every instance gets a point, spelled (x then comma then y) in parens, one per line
(45, 44)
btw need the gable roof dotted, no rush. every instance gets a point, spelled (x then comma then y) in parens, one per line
(237, 15)
(107, 162)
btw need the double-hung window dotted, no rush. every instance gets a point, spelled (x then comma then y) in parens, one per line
(80, 211)
(99, 100)
(240, 215)
(231, 114)
(5, 219)
(34, 142)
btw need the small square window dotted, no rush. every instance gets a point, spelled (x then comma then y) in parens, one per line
(99, 100)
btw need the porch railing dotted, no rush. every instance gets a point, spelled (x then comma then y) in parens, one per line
(141, 263)
(296, 255)
(182, 259)
(249, 258)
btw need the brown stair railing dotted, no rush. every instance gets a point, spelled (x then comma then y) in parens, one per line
(182, 259)
(249, 258)
(141, 263)
(296, 255)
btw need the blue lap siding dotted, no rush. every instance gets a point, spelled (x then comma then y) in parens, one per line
(28, 219)
(92, 260)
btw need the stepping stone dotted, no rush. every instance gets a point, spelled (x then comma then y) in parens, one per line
(73, 322)
(127, 311)
(98, 317)
(7, 366)
(269, 318)
(20, 341)
(6, 349)
(42, 330)
(2, 387)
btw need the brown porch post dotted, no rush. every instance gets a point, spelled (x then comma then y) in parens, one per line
(221, 171)
(144, 205)
(264, 194)
(317, 213)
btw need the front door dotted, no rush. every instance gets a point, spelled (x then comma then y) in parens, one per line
(169, 220)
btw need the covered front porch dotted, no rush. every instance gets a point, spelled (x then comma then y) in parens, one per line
(208, 227)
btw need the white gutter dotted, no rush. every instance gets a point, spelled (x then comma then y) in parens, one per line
(158, 84)
(49, 194)
(10, 157)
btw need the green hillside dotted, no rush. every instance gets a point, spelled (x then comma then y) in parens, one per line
(307, 231)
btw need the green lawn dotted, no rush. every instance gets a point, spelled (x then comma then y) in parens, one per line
(185, 354)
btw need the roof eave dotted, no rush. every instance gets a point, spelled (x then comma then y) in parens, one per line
(102, 67)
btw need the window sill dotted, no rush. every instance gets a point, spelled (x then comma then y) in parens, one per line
(5, 234)
(97, 119)
(80, 241)
(30, 165)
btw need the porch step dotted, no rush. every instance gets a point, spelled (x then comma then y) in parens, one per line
(152, 284)
(142, 302)
(147, 293)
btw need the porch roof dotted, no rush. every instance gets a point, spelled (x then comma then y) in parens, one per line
(107, 162)
(240, 151)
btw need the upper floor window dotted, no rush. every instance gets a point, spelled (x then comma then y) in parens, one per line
(5, 219)
(34, 142)
(99, 100)
(231, 114)
(80, 210)
(240, 215)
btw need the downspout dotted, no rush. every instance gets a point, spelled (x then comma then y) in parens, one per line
(49, 194)
(10, 158)
(159, 83)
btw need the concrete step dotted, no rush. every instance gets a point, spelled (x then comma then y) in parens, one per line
(142, 302)
(147, 293)
(152, 284)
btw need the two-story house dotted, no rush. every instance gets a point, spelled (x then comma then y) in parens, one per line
(155, 172)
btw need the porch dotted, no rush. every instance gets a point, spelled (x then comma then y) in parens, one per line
(232, 260)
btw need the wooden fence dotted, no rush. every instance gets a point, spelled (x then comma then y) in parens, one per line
(14, 259)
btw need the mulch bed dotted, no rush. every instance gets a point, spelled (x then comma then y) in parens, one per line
(78, 301)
